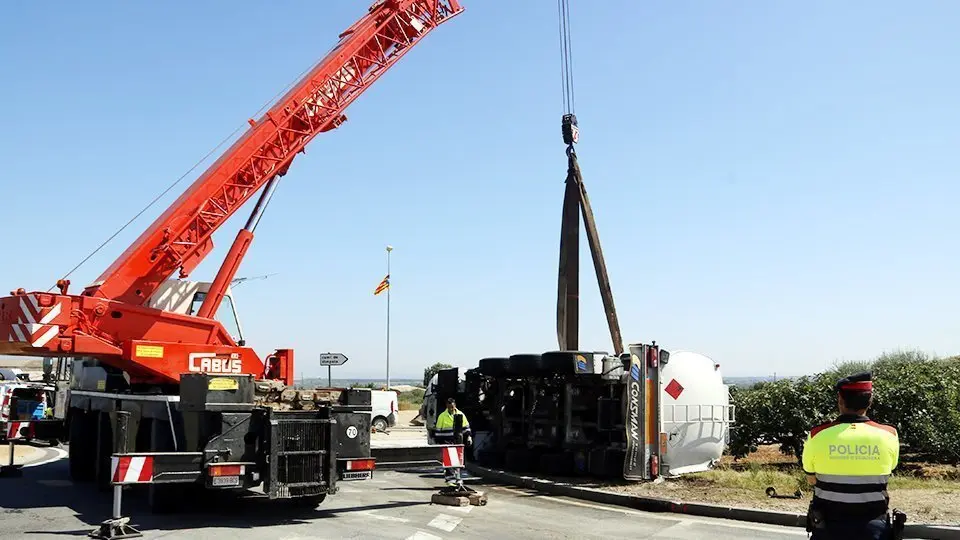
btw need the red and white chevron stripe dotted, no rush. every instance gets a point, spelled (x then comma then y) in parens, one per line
(18, 430)
(453, 456)
(33, 323)
(131, 469)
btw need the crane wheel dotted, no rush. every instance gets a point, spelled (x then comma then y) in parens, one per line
(102, 449)
(81, 451)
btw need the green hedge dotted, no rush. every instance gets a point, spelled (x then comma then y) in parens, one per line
(916, 393)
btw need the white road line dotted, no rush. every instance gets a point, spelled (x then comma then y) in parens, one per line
(445, 522)
(420, 535)
(790, 531)
(381, 517)
(670, 530)
(61, 453)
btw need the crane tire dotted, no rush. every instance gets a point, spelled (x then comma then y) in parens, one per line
(80, 451)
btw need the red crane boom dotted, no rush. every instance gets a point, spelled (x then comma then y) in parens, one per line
(109, 320)
(181, 237)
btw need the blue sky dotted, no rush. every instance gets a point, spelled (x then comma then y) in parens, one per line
(773, 181)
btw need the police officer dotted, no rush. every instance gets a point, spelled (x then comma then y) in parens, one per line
(444, 434)
(848, 461)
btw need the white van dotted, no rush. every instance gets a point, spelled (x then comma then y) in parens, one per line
(385, 405)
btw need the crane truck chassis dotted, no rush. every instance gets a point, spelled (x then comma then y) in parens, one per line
(213, 435)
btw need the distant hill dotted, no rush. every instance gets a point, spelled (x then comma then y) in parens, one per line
(321, 382)
(24, 363)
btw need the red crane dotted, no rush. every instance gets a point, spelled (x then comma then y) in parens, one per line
(110, 321)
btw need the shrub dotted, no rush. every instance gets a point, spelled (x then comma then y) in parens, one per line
(429, 372)
(916, 393)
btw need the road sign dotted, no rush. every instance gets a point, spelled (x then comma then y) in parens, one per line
(332, 359)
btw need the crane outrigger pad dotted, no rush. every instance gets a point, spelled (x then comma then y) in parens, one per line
(115, 529)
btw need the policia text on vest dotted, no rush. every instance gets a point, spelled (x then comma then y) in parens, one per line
(848, 461)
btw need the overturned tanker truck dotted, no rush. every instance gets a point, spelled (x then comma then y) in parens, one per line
(644, 414)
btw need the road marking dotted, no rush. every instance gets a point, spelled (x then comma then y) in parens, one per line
(420, 535)
(792, 531)
(445, 522)
(670, 530)
(381, 517)
(61, 453)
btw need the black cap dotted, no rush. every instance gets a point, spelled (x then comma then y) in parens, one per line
(858, 382)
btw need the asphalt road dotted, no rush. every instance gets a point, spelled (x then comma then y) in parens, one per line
(44, 504)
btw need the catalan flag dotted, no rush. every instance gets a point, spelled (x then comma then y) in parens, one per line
(384, 285)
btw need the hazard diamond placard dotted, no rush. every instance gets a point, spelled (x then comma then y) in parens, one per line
(674, 389)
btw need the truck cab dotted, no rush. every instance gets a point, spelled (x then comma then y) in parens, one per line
(186, 297)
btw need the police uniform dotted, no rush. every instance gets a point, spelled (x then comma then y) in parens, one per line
(444, 434)
(852, 459)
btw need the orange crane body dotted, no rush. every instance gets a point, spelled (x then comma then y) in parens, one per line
(109, 320)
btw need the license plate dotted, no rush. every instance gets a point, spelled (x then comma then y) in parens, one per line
(222, 481)
(357, 475)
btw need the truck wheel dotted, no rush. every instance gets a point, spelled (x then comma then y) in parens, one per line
(103, 438)
(380, 423)
(80, 451)
(565, 362)
(522, 365)
(493, 367)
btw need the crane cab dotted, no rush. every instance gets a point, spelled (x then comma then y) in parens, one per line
(186, 297)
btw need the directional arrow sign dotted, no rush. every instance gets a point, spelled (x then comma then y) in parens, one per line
(332, 359)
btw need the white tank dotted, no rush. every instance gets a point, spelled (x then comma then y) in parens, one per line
(695, 413)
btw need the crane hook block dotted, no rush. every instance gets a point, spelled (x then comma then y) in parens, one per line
(571, 133)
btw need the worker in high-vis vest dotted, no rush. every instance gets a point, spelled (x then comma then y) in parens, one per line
(445, 433)
(848, 462)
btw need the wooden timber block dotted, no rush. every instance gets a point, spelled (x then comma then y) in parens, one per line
(447, 500)
(478, 499)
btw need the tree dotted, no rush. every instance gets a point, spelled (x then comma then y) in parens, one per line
(429, 372)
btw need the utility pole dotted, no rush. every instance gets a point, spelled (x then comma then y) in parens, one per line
(389, 249)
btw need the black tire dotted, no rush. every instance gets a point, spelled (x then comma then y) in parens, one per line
(493, 367)
(380, 424)
(80, 452)
(565, 362)
(103, 450)
(522, 365)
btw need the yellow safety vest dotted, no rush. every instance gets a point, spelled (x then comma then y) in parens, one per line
(852, 459)
(444, 427)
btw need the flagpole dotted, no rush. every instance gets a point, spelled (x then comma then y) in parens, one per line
(389, 249)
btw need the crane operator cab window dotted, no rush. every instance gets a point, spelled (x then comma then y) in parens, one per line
(226, 315)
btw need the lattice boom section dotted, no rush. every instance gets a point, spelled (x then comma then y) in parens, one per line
(329, 90)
